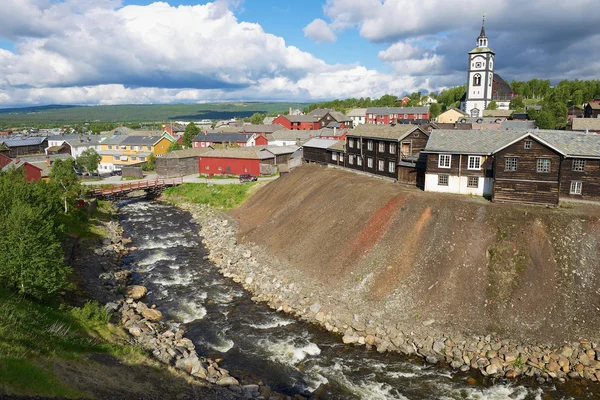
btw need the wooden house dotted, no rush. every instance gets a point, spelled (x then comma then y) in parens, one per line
(22, 146)
(380, 149)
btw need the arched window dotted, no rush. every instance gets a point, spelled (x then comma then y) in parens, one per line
(474, 113)
(477, 80)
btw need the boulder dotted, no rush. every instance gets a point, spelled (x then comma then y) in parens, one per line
(350, 337)
(152, 314)
(136, 292)
(315, 308)
(227, 381)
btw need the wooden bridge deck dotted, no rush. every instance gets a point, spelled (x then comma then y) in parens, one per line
(125, 188)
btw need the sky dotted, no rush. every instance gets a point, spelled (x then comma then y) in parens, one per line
(184, 51)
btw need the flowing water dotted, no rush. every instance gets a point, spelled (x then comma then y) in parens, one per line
(259, 344)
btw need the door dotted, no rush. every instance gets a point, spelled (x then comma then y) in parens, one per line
(405, 149)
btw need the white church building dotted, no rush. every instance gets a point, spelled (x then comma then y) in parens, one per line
(483, 85)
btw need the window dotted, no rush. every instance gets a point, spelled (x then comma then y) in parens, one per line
(444, 161)
(131, 148)
(341, 157)
(334, 156)
(109, 147)
(142, 158)
(149, 148)
(392, 148)
(405, 116)
(477, 80)
(381, 147)
(578, 165)
(351, 159)
(370, 145)
(381, 165)
(543, 165)
(207, 168)
(117, 158)
(473, 182)
(359, 161)
(575, 187)
(358, 144)
(133, 158)
(369, 162)
(416, 134)
(474, 162)
(478, 65)
(351, 143)
(528, 144)
(475, 113)
(510, 163)
(138, 148)
(220, 168)
(391, 166)
(443, 180)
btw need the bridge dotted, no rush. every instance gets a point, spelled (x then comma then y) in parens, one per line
(122, 190)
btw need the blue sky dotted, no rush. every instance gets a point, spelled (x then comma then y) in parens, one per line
(119, 51)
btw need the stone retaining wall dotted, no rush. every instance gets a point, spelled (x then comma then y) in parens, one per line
(285, 290)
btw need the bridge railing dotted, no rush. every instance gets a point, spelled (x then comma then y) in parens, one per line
(140, 185)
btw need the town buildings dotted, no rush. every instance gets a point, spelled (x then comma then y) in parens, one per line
(397, 115)
(358, 116)
(73, 144)
(120, 151)
(204, 140)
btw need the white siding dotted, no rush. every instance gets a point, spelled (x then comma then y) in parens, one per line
(458, 185)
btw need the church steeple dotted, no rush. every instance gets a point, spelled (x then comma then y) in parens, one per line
(482, 40)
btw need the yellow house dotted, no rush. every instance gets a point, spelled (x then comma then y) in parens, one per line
(124, 150)
(451, 115)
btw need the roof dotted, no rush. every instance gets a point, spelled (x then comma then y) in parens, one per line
(453, 125)
(339, 117)
(396, 132)
(318, 143)
(19, 164)
(334, 124)
(52, 157)
(497, 113)
(24, 141)
(319, 112)
(223, 137)
(481, 50)
(268, 120)
(280, 150)
(300, 118)
(141, 140)
(339, 145)
(357, 112)
(186, 153)
(518, 125)
(594, 106)
(294, 135)
(573, 144)
(455, 110)
(582, 124)
(261, 128)
(500, 89)
(77, 140)
(397, 110)
(248, 153)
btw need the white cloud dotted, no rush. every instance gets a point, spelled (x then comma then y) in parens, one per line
(319, 31)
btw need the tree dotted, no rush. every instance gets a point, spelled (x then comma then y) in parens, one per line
(492, 105)
(257, 118)
(435, 109)
(150, 164)
(89, 160)
(517, 103)
(191, 130)
(174, 146)
(64, 179)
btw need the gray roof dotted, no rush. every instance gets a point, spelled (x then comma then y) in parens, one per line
(319, 112)
(581, 124)
(572, 144)
(358, 112)
(339, 117)
(245, 153)
(301, 118)
(223, 137)
(320, 143)
(280, 150)
(334, 124)
(24, 141)
(294, 135)
(268, 120)
(397, 110)
(186, 153)
(52, 157)
(339, 145)
(518, 125)
(76, 140)
(141, 140)
(115, 140)
(396, 132)
(261, 128)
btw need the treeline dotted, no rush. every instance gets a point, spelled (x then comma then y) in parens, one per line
(32, 226)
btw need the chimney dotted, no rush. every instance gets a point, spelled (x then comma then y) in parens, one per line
(290, 110)
(17, 160)
(48, 162)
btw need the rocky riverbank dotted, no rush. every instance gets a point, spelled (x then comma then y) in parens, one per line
(108, 282)
(288, 290)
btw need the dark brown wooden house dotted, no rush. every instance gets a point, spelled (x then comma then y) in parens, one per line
(592, 109)
(22, 146)
(379, 149)
(324, 151)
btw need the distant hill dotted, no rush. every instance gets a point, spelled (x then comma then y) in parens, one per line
(64, 114)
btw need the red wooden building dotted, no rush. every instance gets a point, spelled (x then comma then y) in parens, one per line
(32, 173)
(397, 115)
(231, 162)
(298, 122)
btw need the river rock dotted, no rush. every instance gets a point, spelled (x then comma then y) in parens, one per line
(136, 292)
(315, 308)
(152, 314)
(134, 331)
(227, 381)
(439, 346)
(350, 337)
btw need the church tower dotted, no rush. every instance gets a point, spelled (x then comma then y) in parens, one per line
(481, 76)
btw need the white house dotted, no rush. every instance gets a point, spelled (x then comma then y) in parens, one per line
(77, 144)
(358, 116)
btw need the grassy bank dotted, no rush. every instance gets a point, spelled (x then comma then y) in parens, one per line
(224, 197)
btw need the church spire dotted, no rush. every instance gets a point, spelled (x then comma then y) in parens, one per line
(482, 40)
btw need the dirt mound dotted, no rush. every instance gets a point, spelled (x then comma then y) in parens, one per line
(475, 266)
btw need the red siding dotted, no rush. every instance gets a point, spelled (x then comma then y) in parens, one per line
(261, 141)
(32, 173)
(282, 120)
(4, 160)
(230, 166)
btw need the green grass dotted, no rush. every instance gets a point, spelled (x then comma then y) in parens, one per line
(223, 197)
(84, 226)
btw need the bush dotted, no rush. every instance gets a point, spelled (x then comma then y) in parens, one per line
(90, 312)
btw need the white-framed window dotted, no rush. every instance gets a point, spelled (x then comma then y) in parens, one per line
(528, 144)
(133, 158)
(391, 166)
(369, 162)
(576, 187)
(381, 147)
(149, 148)
(578, 165)
(443, 180)
(117, 158)
(341, 157)
(473, 181)
(369, 145)
(334, 156)
(131, 148)
(351, 159)
(359, 161)
(220, 168)
(109, 147)
(351, 143)
(444, 161)
(138, 148)
(474, 162)
(207, 167)
(142, 158)
(405, 116)
(358, 144)
(543, 165)
(510, 163)
(477, 80)
(392, 148)
(381, 165)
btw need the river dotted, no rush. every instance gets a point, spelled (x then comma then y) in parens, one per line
(260, 344)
